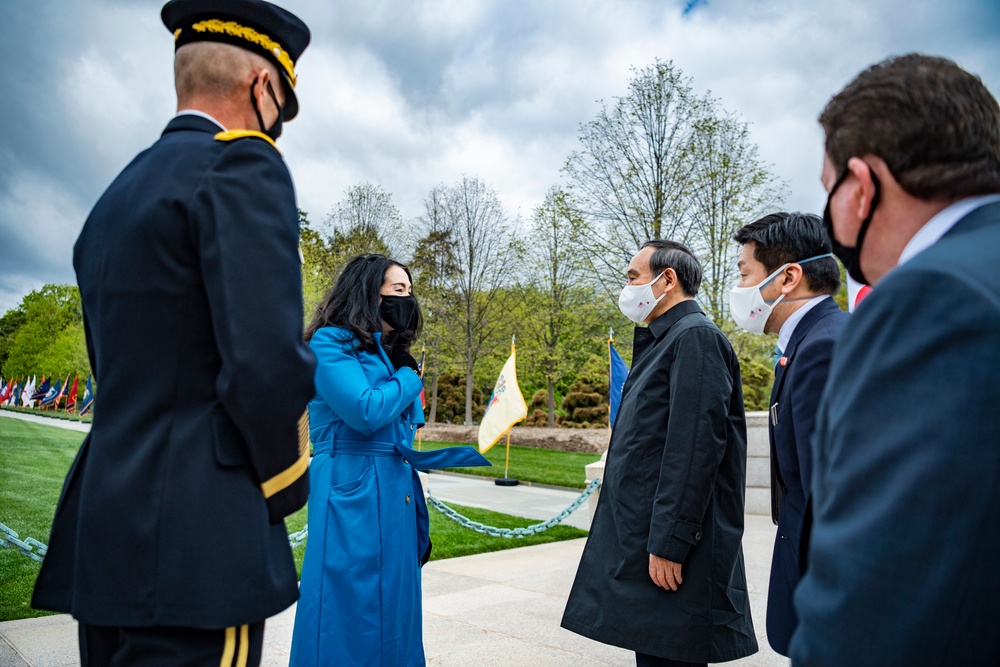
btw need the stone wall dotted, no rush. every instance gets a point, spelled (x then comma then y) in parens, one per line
(589, 440)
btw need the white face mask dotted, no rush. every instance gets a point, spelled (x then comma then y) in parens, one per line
(637, 301)
(747, 305)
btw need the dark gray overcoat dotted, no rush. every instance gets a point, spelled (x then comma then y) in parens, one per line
(674, 486)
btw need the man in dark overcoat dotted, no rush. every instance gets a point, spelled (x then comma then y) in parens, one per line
(168, 543)
(662, 573)
(904, 548)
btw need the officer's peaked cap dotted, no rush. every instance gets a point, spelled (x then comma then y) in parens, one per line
(255, 25)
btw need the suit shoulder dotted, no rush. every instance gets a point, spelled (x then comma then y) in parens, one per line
(234, 136)
(266, 173)
(829, 325)
(250, 148)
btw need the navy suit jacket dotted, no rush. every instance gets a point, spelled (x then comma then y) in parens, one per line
(189, 275)
(905, 544)
(798, 383)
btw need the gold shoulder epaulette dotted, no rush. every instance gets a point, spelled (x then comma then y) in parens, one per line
(230, 135)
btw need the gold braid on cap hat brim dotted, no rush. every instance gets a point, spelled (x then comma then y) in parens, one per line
(234, 29)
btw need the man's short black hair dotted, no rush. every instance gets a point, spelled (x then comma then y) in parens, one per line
(676, 256)
(782, 238)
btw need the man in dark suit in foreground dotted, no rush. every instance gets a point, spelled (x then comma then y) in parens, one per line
(787, 277)
(904, 549)
(168, 544)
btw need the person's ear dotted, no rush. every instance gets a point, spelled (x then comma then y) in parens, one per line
(670, 281)
(259, 85)
(863, 192)
(793, 278)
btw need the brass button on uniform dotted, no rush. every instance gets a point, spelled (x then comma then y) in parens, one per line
(407, 499)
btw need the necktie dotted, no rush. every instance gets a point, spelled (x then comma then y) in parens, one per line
(777, 354)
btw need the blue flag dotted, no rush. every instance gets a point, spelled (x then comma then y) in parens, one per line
(53, 393)
(88, 398)
(619, 371)
(43, 390)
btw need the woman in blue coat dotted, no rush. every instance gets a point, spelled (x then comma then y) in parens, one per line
(360, 598)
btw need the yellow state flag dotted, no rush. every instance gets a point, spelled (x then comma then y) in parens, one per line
(506, 407)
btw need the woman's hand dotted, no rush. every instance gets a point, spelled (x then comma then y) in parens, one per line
(400, 357)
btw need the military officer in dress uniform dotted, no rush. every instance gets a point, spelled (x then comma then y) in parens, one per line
(168, 544)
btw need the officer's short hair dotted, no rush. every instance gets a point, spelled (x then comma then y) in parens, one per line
(676, 256)
(214, 69)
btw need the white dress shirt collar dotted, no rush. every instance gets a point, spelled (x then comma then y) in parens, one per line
(788, 328)
(196, 112)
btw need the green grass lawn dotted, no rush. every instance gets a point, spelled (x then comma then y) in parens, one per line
(34, 460)
(530, 464)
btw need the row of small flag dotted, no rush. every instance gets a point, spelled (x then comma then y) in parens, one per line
(26, 392)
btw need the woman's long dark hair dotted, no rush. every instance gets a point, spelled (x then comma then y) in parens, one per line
(353, 302)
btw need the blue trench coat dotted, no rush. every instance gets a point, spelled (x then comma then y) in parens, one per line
(360, 596)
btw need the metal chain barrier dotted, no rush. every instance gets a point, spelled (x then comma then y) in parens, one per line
(298, 537)
(8, 539)
(493, 531)
(35, 550)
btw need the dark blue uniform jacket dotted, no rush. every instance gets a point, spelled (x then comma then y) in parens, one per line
(189, 273)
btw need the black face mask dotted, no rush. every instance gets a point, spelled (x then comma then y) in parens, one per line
(398, 311)
(275, 130)
(851, 257)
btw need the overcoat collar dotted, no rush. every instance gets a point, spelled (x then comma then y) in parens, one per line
(644, 336)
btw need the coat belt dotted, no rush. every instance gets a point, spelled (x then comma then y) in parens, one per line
(449, 457)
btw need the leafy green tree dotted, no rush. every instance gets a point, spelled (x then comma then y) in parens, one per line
(365, 220)
(49, 339)
(319, 265)
(434, 266)
(559, 313)
(732, 188)
(486, 253)
(631, 178)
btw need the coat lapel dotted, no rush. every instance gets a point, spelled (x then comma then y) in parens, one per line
(821, 310)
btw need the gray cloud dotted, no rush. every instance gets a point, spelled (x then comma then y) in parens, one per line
(408, 94)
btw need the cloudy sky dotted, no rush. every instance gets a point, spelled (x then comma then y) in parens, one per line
(408, 94)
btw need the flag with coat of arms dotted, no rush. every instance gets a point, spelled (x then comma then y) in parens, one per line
(42, 391)
(53, 394)
(506, 406)
(88, 398)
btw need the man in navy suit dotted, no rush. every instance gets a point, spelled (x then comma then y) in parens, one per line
(904, 550)
(168, 543)
(785, 263)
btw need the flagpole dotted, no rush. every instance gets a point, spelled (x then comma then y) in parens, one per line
(420, 431)
(506, 465)
(611, 340)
